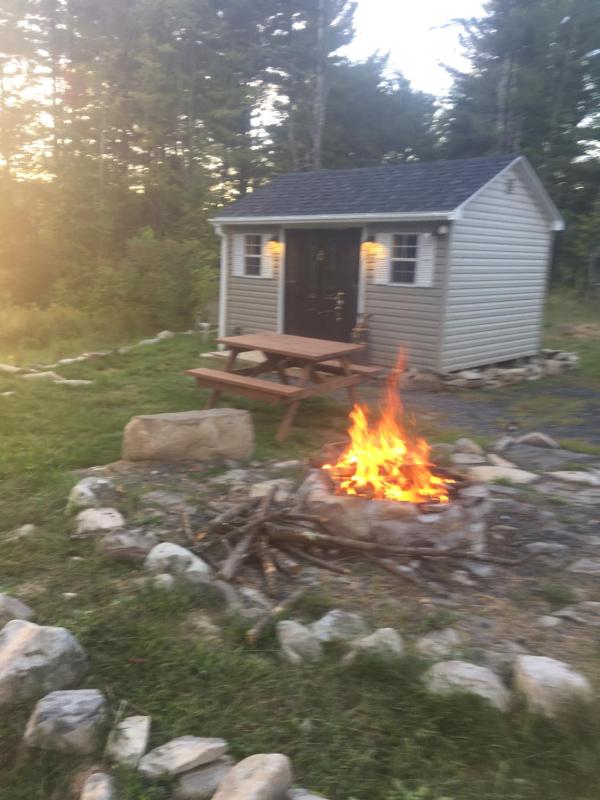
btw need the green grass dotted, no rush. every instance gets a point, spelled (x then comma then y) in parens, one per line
(374, 734)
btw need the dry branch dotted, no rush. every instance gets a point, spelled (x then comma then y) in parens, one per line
(319, 562)
(259, 626)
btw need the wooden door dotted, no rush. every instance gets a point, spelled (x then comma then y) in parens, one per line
(321, 282)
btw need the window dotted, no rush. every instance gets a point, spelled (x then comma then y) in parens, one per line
(404, 258)
(252, 253)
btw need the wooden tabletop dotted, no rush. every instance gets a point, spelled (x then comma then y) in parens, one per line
(282, 344)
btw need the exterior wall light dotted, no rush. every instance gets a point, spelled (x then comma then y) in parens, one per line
(275, 251)
(371, 251)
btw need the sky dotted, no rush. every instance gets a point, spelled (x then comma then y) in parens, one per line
(413, 32)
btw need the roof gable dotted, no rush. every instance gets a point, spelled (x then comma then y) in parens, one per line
(414, 188)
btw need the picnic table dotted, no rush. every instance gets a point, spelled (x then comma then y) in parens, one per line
(324, 367)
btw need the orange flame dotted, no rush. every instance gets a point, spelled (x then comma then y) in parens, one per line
(383, 459)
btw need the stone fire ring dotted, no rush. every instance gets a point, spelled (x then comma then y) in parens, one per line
(460, 523)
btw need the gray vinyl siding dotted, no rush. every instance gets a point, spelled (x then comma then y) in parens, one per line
(251, 302)
(500, 251)
(406, 317)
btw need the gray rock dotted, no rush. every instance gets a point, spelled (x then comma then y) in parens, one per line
(201, 784)
(498, 461)
(128, 740)
(466, 459)
(298, 642)
(23, 532)
(287, 464)
(546, 548)
(574, 476)
(46, 375)
(176, 560)
(440, 644)
(168, 500)
(165, 335)
(11, 608)
(146, 342)
(340, 626)
(465, 445)
(304, 794)
(36, 659)
(68, 722)
(99, 786)
(131, 546)
(189, 435)
(548, 621)
(97, 521)
(446, 677)
(163, 581)
(9, 369)
(502, 443)
(92, 493)
(73, 382)
(586, 566)
(489, 474)
(585, 613)
(537, 439)
(548, 685)
(283, 489)
(264, 776)
(384, 642)
(181, 755)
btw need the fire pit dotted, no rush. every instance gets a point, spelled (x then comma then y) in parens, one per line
(377, 498)
(382, 485)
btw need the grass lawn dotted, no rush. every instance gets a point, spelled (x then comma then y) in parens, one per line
(367, 732)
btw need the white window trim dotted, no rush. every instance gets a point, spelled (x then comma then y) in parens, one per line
(260, 256)
(414, 284)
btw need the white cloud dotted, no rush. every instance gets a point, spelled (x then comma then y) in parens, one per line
(416, 36)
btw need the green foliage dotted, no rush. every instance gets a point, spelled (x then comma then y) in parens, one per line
(534, 87)
(557, 595)
(365, 731)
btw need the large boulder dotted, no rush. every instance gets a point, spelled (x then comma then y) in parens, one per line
(68, 722)
(264, 776)
(128, 740)
(189, 435)
(549, 685)
(12, 608)
(448, 677)
(298, 643)
(181, 755)
(35, 659)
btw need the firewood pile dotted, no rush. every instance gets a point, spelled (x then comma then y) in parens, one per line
(279, 538)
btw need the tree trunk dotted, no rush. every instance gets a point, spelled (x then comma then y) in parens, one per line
(320, 89)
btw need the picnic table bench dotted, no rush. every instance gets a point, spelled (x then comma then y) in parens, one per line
(324, 366)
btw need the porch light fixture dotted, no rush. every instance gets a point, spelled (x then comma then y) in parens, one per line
(369, 250)
(275, 250)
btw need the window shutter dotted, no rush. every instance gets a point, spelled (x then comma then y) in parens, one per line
(238, 255)
(266, 258)
(383, 252)
(425, 263)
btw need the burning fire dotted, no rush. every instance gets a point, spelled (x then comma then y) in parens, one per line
(383, 459)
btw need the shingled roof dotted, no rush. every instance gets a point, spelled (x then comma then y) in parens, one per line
(422, 187)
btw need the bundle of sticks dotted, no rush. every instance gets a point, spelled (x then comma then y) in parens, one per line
(279, 537)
